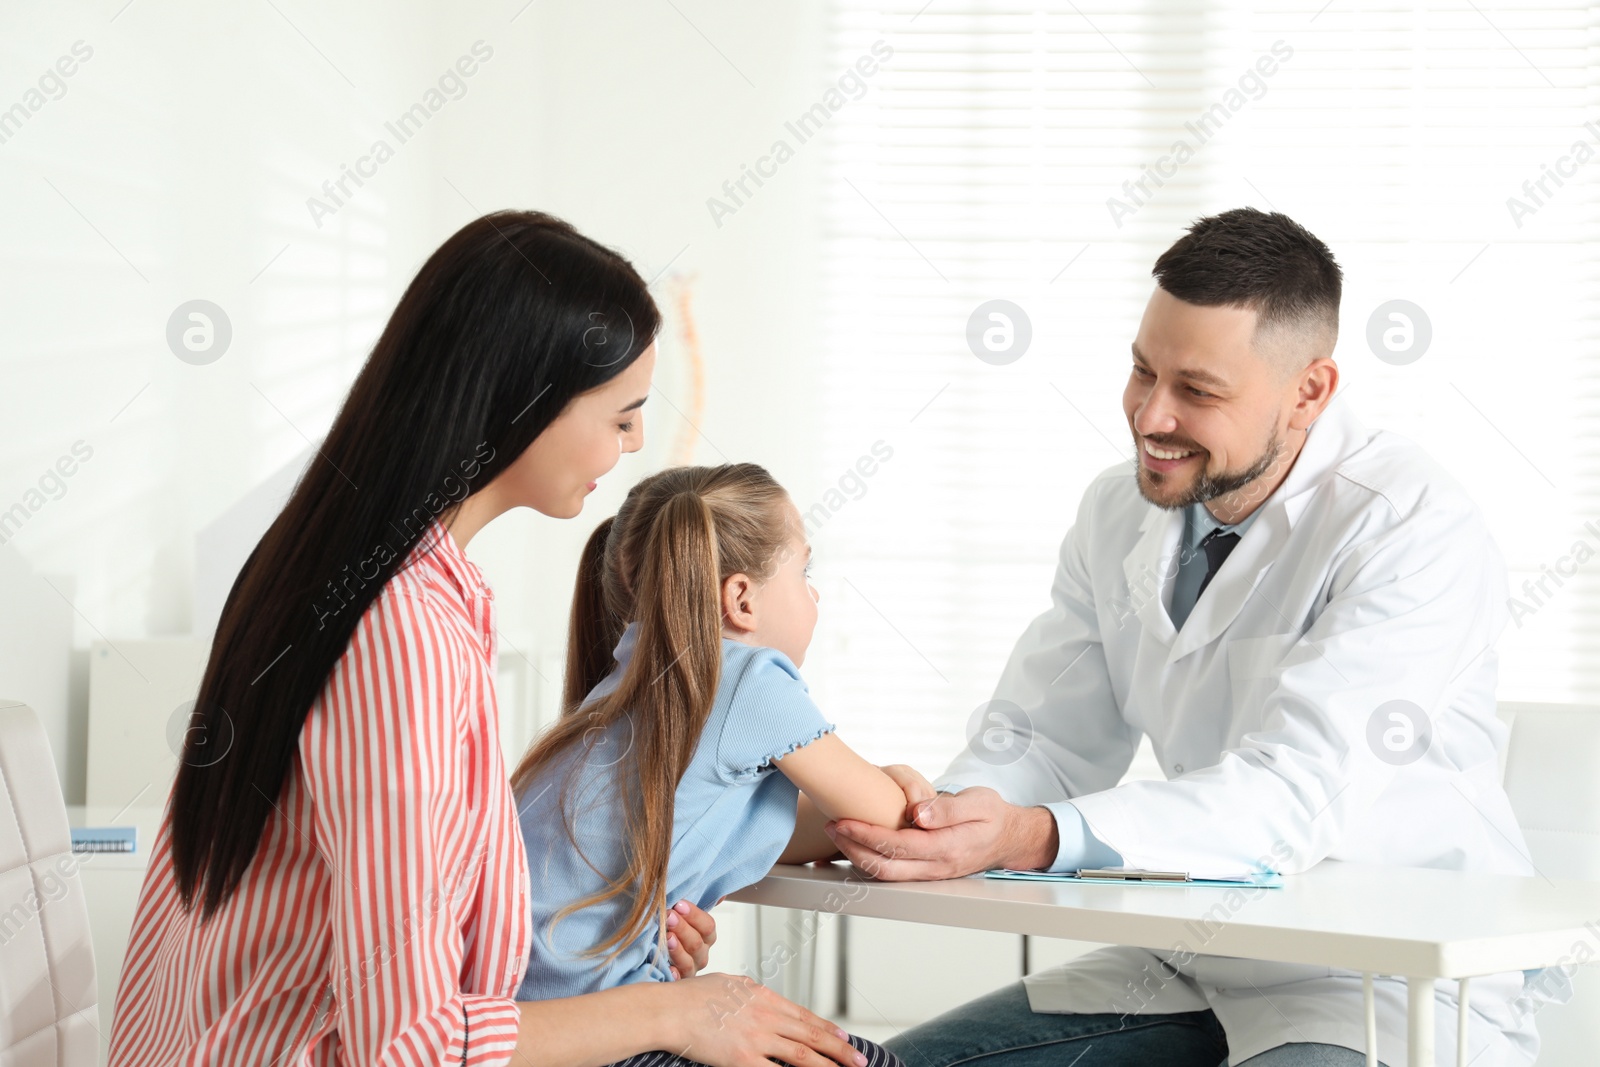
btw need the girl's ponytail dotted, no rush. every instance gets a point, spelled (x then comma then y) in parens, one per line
(677, 661)
(674, 670)
(593, 629)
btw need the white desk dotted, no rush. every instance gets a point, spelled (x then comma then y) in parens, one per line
(1422, 924)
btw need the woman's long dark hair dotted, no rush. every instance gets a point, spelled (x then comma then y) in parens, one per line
(513, 316)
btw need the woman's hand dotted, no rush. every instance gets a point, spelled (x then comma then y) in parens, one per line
(690, 934)
(731, 1020)
(723, 1020)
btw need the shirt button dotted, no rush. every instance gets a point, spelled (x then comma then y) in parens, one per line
(1177, 768)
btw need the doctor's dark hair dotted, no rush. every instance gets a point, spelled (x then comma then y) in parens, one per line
(515, 315)
(660, 562)
(1264, 261)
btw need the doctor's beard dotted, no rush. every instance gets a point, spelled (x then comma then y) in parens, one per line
(1207, 486)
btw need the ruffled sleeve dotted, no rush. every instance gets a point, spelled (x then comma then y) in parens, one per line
(769, 715)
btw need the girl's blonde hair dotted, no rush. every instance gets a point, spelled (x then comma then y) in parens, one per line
(661, 562)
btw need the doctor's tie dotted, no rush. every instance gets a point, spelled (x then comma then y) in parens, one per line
(1217, 545)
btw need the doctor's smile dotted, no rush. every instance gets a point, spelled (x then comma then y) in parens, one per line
(1166, 458)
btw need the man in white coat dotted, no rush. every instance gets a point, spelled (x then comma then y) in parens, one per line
(1300, 614)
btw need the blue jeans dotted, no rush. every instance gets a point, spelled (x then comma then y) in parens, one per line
(1000, 1030)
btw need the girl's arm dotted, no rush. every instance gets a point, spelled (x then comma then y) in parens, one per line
(838, 784)
(809, 842)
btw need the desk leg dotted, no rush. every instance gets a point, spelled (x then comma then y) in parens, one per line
(1372, 1019)
(1462, 1008)
(1419, 1022)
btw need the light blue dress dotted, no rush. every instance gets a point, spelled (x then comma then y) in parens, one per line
(734, 813)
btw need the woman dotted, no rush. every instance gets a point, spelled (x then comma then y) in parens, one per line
(339, 877)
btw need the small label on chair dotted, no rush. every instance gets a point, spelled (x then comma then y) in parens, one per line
(105, 838)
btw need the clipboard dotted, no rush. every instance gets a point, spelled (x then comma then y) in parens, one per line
(1138, 876)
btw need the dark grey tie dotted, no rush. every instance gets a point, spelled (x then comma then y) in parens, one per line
(1217, 545)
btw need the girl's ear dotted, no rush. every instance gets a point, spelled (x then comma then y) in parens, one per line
(738, 603)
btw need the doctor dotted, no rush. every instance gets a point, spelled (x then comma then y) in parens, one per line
(1300, 614)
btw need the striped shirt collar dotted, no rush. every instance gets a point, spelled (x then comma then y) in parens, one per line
(438, 551)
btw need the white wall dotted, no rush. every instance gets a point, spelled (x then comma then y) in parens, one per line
(624, 118)
(177, 164)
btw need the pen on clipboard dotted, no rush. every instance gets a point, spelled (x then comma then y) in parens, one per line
(1131, 874)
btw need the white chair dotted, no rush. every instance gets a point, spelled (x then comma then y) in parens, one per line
(1552, 775)
(48, 1007)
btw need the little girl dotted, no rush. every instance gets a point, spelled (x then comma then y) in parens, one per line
(696, 760)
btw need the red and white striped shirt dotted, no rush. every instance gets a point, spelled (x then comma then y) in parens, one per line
(388, 899)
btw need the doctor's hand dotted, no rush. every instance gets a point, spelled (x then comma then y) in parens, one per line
(912, 784)
(690, 934)
(953, 835)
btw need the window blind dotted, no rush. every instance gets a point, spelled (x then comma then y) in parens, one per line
(1031, 153)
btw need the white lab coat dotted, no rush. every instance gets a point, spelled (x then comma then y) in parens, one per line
(1369, 576)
